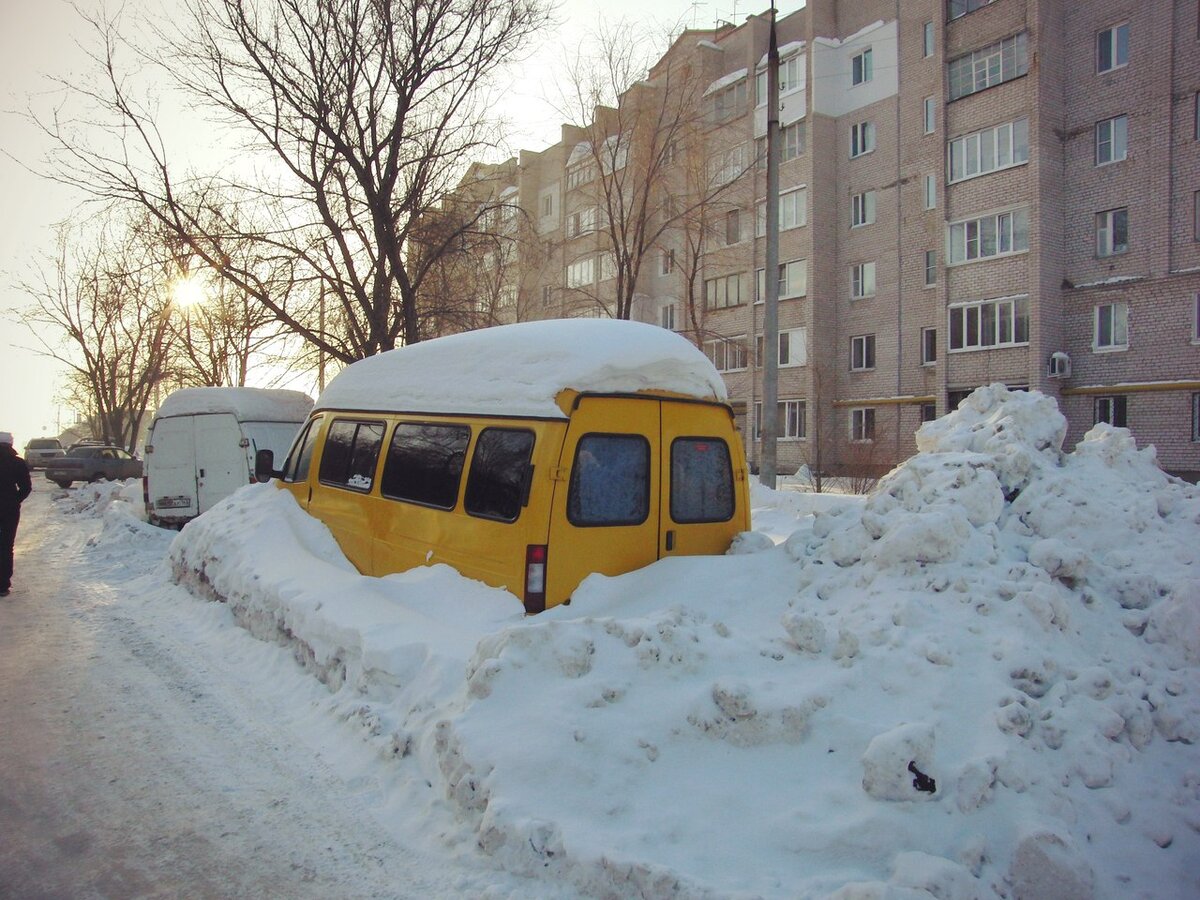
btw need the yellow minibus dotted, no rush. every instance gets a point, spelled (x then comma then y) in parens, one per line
(526, 456)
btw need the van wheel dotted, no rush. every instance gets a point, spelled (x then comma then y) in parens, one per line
(62, 484)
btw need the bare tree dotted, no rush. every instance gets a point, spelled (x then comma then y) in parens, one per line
(101, 307)
(361, 112)
(640, 123)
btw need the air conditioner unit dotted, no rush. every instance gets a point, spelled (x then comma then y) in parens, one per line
(1059, 365)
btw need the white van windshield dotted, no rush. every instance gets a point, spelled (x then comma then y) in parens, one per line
(274, 436)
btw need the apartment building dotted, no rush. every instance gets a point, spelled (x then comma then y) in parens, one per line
(971, 191)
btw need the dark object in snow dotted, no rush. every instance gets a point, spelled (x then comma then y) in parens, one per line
(921, 782)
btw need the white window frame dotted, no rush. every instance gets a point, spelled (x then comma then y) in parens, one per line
(862, 139)
(862, 353)
(790, 75)
(1004, 146)
(792, 349)
(1104, 409)
(862, 280)
(666, 261)
(547, 294)
(727, 165)
(666, 316)
(862, 424)
(929, 346)
(1106, 232)
(793, 415)
(1196, 318)
(930, 261)
(792, 140)
(966, 238)
(608, 265)
(997, 322)
(580, 174)
(717, 293)
(960, 8)
(730, 102)
(1110, 327)
(989, 66)
(793, 281)
(929, 113)
(793, 211)
(862, 67)
(927, 41)
(1110, 37)
(1112, 140)
(727, 354)
(581, 272)
(930, 192)
(862, 209)
(733, 227)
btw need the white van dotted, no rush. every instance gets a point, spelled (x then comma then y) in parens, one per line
(203, 441)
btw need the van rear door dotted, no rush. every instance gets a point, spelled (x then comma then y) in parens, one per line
(703, 483)
(221, 466)
(171, 470)
(605, 511)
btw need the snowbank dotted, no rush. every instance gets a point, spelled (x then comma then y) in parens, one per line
(981, 681)
(532, 363)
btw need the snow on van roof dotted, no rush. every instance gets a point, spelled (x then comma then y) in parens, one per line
(248, 404)
(520, 369)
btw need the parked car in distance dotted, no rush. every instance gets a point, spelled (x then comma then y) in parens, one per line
(92, 463)
(40, 451)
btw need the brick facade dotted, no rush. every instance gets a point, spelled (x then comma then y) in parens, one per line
(1052, 149)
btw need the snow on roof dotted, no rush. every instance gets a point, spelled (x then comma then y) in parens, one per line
(789, 49)
(838, 42)
(508, 191)
(710, 45)
(247, 403)
(725, 80)
(579, 152)
(520, 369)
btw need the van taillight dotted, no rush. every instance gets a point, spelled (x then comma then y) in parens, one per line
(535, 578)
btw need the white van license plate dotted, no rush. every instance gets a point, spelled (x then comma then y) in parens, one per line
(172, 502)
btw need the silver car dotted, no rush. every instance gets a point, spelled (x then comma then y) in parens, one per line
(93, 464)
(40, 451)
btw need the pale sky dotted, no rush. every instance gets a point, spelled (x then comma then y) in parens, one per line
(38, 39)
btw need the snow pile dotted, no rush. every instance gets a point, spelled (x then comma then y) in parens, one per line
(980, 682)
(534, 362)
(93, 499)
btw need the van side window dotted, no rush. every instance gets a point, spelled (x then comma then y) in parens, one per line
(299, 460)
(351, 450)
(610, 480)
(498, 479)
(701, 480)
(425, 463)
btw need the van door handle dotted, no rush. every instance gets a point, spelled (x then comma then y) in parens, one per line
(670, 541)
(201, 473)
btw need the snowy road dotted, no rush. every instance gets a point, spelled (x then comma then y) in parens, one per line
(134, 764)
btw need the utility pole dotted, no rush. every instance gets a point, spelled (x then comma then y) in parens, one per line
(321, 348)
(770, 391)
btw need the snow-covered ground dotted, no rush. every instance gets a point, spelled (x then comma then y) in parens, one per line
(980, 681)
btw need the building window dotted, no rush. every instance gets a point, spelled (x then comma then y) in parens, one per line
(581, 272)
(1112, 140)
(928, 346)
(580, 174)
(608, 265)
(727, 354)
(547, 294)
(1196, 319)
(792, 141)
(729, 102)
(666, 262)
(666, 316)
(1196, 417)
(1111, 410)
(1112, 48)
(727, 166)
(928, 412)
(1112, 327)
(930, 268)
(791, 75)
(723, 291)
(862, 209)
(1196, 117)
(861, 67)
(931, 192)
(989, 150)
(930, 114)
(927, 45)
(793, 348)
(959, 8)
(980, 325)
(993, 65)
(793, 420)
(1112, 232)
(862, 138)
(862, 352)
(793, 281)
(862, 424)
(1001, 234)
(582, 221)
(862, 280)
(733, 226)
(793, 211)
(1196, 215)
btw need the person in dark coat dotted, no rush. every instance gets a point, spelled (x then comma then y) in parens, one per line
(14, 488)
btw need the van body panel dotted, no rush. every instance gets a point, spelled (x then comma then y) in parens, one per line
(171, 472)
(592, 527)
(352, 513)
(221, 462)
